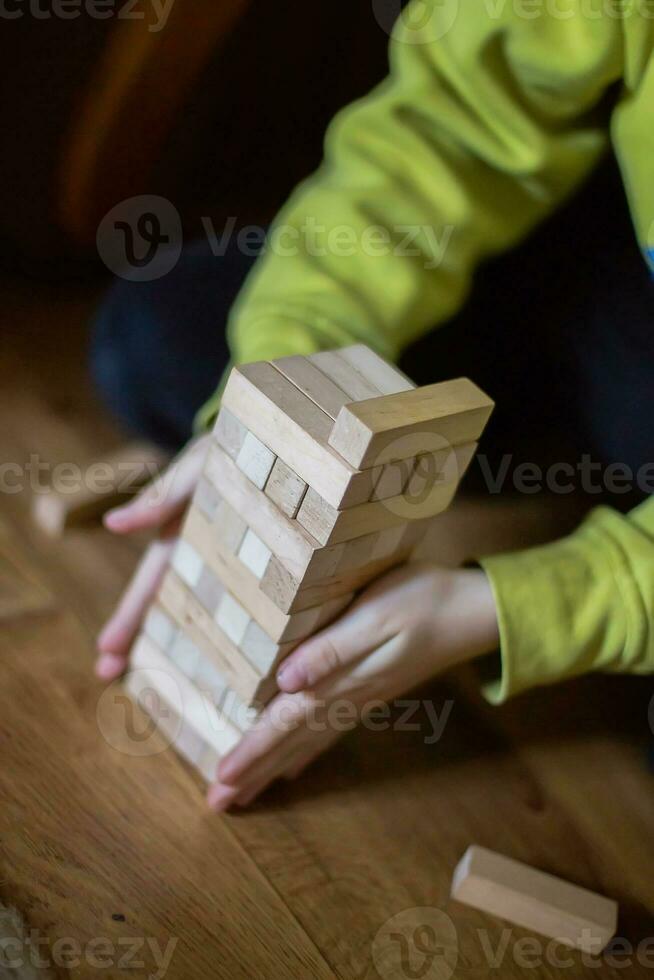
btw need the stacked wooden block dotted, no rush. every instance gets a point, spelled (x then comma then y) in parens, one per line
(323, 472)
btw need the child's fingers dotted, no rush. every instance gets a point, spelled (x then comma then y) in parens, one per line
(281, 718)
(343, 643)
(165, 498)
(116, 638)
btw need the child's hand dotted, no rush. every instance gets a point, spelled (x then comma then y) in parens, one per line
(409, 625)
(162, 506)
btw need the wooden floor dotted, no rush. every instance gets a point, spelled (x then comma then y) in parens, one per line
(98, 843)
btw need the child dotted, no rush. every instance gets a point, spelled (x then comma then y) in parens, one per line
(493, 116)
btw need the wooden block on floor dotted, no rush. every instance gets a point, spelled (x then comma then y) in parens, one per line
(103, 483)
(534, 900)
(229, 433)
(255, 460)
(313, 383)
(285, 488)
(398, 426)
(385, 377)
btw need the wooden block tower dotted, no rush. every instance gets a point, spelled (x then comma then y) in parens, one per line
(323, 472)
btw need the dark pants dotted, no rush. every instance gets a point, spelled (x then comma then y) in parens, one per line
(560, 333)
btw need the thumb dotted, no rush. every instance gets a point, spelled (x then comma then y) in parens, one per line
(343, 643)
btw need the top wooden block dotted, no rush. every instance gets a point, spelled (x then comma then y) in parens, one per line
(401, 425)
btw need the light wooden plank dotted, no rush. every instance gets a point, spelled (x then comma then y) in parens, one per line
(285, 538)
(197, 711)
(183, 738)
(386, 378)
(229, 432)
(345, 375)
(229, 526)
(535, 900)
(398, 426)
(238, 579)
(255, 460)
(331, 527)
(187, 562)
(313, 383)
(232, 618)
(254, 554)
(180, 603)
(261, 650)
(292, 427)
(285, 488)
(206, 498)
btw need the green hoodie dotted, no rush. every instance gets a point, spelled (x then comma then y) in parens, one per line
(493, 114)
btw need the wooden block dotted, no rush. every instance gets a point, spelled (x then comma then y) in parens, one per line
(330, 526)
(232, 618)
(391, 478)
(280, 626)
(103, 483)
(185, 654)
(159, 628)
(229, 433)
(255, 460)
(182, 737)
(187, 563)
(398, 426)
(197, 711)
(235, 577)
(534, 900)
(211, 683)
(285, 488)
(209, 589)
(313, 383)
(446, 466)
(285, 538)
(254, 554)
(386, 378)
(261, 650)
(229, 526)
(206, 498)
(345, 375)
(189, 615)
(291, 426)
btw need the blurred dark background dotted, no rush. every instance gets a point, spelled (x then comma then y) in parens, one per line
(222, 111)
